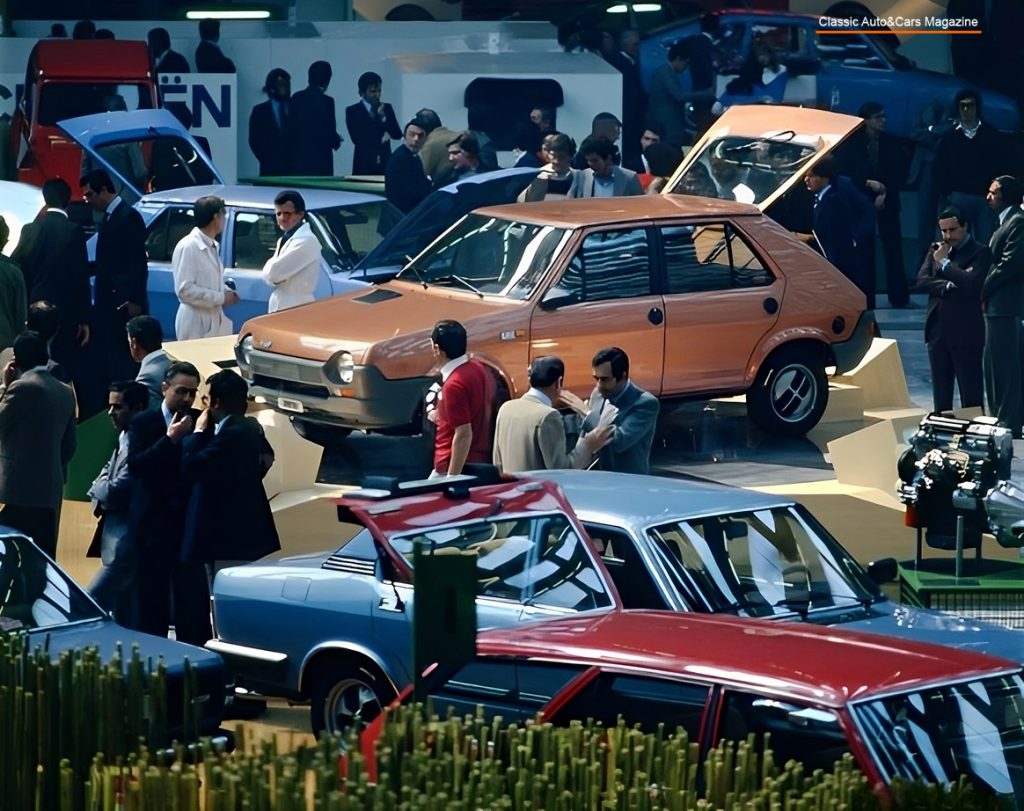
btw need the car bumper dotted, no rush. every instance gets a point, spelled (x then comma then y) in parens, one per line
(253, 665)
(850, 352)
(300, 388)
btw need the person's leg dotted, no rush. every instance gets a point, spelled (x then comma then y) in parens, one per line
(37, 523)
(967, 362)
(892, 250)
(191, 604)
(1002, 369)
(153, 592)
(942, 375)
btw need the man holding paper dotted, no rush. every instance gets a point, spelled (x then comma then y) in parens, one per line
(633, 412)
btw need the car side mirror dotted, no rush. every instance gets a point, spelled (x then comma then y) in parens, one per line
(557, 297)
(803, 66)
(884, 570)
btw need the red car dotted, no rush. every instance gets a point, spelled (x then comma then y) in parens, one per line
(902, 709)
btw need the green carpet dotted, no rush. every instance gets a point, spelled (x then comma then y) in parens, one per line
(96, 438)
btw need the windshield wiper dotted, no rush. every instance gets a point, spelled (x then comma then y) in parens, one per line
(419, 276)
(460, 280)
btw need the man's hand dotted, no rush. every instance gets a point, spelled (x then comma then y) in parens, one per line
(83, 334)
(231, 297)
(599, 437)
(203, 421)
(940, 253)
(880, 202)
(181, 426)
(10, 373)
(572, 401)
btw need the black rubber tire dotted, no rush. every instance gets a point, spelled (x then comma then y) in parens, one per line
(790, 392)
(343, 693)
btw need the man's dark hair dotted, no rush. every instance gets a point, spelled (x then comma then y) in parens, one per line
(135, 395)
(560, 142)
(826, 168)
(229, 390)
(293, 197)
(146, 331)
(206, 208)
(159, 40)
(97, 180)
(546, 371)
(679, 50)
(181, 367)
(84, 29)
(654, 126)
(953, 212)
(58, 30)
(967, 93)
(5, 232)
(367, 79)
(467, 142)
(416, 122)
(450, 337)
(56, 193)
(602, 117)
(616, 357)
(320, 73)
(44, 319)
(104, 33)
(30, 350)
(869, 109)
(180, 111)
(431, 120)
(663, 158)
(209, 28)
(528, 137)
(273, 76)
(1011, 188)
(546, 114)
(597, 145)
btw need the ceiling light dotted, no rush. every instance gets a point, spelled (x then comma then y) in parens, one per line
(228, 14)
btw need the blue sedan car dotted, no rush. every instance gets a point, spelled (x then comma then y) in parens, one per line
(835, 71)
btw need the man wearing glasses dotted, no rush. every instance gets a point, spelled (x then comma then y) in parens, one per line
(968, 157)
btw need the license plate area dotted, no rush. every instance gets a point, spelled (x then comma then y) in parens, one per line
(289, 404)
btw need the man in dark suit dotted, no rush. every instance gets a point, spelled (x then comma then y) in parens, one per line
(844, 224)
(315, 128)
(37, 440)
(954, 330)
(633, 412)
(53, 259)
(112, 493)
(209, 58)
(122, 272)
(405, 182)
(158, 514)
(146, 344)
(13, 299)
(270, 126)
(371, 125)
(1002, 300)
(165, 60)
(228, 518)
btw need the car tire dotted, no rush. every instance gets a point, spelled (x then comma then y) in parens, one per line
(790, 392)
(343, 694)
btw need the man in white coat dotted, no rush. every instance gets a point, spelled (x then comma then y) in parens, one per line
(199, 276)
(294, 268)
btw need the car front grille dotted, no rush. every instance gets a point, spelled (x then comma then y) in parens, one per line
(290, 386)
(286, 369)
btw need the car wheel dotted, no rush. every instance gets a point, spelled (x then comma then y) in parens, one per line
(344, 695)
(790, 391)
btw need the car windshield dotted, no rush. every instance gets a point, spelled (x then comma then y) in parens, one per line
(489, 256)
(975, 728)
(747, 170)
(531, 559)
(762, 563)
(35, 593)
(349, 232)
(154, 164)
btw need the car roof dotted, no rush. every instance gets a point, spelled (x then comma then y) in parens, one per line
(610, 210)
(84, 60)
(801, 661)
(260, 196)
(649, 500)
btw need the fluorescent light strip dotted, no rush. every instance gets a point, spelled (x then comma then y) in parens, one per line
(228, 15)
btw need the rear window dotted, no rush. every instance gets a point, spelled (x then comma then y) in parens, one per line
(60, 100)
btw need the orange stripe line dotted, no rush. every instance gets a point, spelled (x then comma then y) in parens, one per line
(890, 31)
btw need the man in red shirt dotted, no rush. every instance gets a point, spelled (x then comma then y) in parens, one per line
(465, 405)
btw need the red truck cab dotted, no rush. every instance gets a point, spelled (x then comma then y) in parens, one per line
(67, 79)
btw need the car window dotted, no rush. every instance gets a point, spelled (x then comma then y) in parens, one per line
(609, 265)
(254, 240)
(60, 100)
(710, 257)
(974, 728)
(166, 230)
(348, 233)
(35, 593)
(851, 50)
(806, 734)
(627, 568)
(535, 559)
(762, 563)
(786, 40)
(646, 701)
(489, 256)
(156, 164)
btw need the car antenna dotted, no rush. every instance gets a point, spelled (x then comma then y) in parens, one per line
(399, 602)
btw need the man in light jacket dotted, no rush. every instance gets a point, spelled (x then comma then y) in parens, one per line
(199, 276)
(294, 268)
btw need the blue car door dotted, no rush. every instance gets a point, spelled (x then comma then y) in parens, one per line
(163, 232)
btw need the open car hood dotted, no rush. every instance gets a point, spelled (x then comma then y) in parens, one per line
(764, 150)
(436, 213)
(118, 141)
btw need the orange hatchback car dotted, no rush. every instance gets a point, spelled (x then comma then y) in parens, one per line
(708, 297)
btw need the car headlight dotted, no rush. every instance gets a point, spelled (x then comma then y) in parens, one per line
(343, 366)
(243, 352)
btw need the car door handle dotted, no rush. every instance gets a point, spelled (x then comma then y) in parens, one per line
(771, 305)
(655, 315)
(390, 602)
